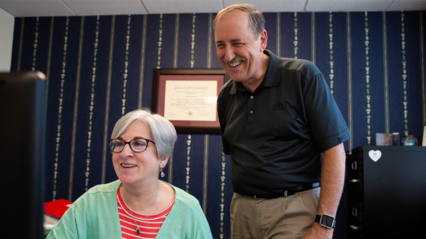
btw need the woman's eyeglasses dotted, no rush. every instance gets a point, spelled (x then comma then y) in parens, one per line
(137, 145)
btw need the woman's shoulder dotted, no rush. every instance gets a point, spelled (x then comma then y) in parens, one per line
(100, 191)
(108, 187)
(184, 197)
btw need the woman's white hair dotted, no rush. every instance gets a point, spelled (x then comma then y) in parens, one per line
(162, 131)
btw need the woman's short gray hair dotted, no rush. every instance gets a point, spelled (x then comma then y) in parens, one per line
(257, 21)
(162, 131)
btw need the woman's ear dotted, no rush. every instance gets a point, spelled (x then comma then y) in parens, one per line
(163, 162)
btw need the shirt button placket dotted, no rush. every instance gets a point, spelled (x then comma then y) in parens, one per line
(250, 106)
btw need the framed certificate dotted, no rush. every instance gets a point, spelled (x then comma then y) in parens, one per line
(187, 97)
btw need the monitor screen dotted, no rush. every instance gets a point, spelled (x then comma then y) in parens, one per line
(22, 153)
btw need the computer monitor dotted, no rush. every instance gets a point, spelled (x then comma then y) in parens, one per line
(22, 154)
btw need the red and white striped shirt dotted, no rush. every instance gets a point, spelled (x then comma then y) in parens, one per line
(149, 224)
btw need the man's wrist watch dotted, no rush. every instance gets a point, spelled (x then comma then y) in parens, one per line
(326, 221)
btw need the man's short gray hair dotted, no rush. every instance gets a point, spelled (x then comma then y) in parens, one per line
(162, 131)
(257, 21)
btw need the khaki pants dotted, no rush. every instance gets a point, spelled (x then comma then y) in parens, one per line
(279, 218)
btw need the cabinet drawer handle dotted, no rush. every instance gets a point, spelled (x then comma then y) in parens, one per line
(354, 165)
(354, 227)
(354, 180)
(354, 211)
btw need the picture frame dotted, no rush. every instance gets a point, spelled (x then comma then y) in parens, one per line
(187, 98)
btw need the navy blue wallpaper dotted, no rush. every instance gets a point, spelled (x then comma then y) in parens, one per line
(99, 68)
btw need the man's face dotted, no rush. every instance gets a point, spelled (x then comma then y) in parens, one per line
(238, 51)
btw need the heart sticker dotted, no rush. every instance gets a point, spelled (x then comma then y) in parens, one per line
(375, 155)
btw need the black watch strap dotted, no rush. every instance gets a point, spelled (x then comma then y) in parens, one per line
(326, 220)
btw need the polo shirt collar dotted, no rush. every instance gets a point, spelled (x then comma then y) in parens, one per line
(237, 86)
(270, 79)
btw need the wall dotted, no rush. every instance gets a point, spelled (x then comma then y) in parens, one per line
(98, 66)
(7, 22)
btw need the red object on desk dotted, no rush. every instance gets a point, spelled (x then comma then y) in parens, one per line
(57, 208)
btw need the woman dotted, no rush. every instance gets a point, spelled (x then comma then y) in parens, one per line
(138, 205)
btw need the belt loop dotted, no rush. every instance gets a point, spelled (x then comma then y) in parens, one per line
(286, 193)
(285, 206)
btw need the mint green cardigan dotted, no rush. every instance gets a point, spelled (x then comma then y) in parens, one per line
(95, 215)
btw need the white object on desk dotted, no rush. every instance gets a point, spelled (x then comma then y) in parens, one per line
(49, 222)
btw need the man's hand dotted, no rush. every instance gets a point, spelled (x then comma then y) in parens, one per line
(318, 232)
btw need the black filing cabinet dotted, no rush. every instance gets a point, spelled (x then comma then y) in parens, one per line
(386, 192)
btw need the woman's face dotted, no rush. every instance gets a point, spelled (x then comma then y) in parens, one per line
(137, 168)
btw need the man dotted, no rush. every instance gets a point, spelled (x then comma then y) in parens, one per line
(277, 117)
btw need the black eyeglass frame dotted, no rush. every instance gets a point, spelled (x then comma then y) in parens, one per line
(130, 145)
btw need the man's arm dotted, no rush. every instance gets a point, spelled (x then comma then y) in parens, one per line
(222, 103)
(332, 181)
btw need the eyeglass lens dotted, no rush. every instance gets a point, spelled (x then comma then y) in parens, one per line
(136, 145)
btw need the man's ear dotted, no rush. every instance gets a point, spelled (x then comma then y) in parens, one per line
(263, 40)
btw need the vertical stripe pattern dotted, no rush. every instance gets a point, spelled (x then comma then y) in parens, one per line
(75, 118)
(160, 41)
(188, 162)
(176, 41)
(49, 59)
(192, 61)
(107, 101)
(348, 27)
(126, 67)
(189, 141)
(175, 56)
(331, 52)
(404, 74)
(92, 104)
(61, 99)
(222, 196)
(209, 46)
(35, 45)
(206, 170)
(142, 71)
(278, 34)
(296, 38)
(367, 77)
(385, 62)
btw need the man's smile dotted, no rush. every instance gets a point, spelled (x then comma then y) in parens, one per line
(235, 62)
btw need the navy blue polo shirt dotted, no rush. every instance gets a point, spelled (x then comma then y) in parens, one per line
(275, 135)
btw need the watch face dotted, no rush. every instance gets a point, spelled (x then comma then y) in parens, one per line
(327, 220)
